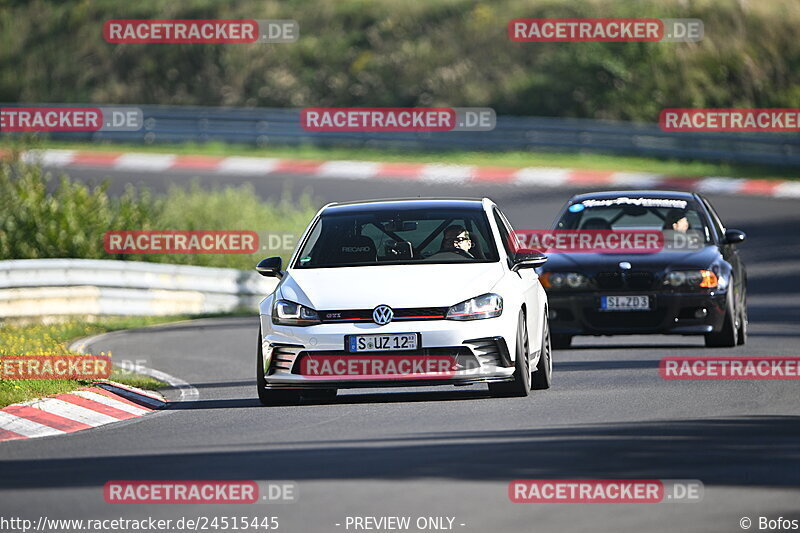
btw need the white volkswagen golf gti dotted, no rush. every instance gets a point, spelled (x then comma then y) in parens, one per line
(404, 292)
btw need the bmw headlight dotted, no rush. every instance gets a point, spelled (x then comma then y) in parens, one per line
(692, 279)
(286, 313)
(564, 280)
(484, 306)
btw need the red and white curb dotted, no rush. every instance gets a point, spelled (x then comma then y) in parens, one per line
(421, 172)
(101, 404)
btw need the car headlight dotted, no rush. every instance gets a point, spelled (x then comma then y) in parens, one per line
(484, 306)
(564, 280)
(286, 313)
(692, 279)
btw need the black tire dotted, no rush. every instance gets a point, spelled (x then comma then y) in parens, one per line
(727, 336)
(560, 341)
(271, 397)
(521, 386)
(543, 376)
(741, 332)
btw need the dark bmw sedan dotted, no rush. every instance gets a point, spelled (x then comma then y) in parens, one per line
(695, 284)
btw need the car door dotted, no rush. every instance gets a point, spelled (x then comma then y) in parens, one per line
(528, 280)
(729, 253)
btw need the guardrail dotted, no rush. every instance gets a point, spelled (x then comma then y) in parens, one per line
(60, 287)
(270, 126)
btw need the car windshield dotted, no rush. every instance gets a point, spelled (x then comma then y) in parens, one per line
(623, 213)
(383, 237)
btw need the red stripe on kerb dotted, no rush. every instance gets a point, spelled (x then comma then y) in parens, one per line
(495, 174)
(400, 170)
(297, 167)
(10, 435)
(760, 186)
(45, 418)
(196, 162)
(118, 398)
(95, 406)
(95, 158)
(590, 176)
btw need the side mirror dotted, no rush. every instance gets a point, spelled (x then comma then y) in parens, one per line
(734, 236)
(528, 260)
(270, 267)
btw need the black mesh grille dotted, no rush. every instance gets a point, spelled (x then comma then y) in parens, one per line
(609, 280)
(639, 280)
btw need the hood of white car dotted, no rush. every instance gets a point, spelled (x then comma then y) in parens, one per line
(398, 286)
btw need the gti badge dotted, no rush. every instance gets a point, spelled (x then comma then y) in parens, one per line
(625, 265)
(382, 315)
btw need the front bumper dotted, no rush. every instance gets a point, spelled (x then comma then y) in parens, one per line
(670, 313)
(482, 349)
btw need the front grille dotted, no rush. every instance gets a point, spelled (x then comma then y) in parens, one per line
(635, 280)
(624, 319)
(400, 315)
(639, 280)
(609, 280)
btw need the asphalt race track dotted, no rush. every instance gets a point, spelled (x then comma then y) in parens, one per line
(447, 451)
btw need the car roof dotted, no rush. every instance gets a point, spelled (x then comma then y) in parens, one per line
(402, 204)
(605, 195)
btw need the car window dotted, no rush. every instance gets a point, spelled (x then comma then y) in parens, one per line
(505, 233)
(632, 214)
(398, 237)
(715, 221)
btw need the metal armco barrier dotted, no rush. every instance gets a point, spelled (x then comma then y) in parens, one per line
(269, 126)
(59, 287)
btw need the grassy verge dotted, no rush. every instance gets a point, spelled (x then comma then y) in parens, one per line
(504, 159)
(53, 339)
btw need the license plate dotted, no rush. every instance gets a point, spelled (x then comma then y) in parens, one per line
(389, 342)
(625, 303)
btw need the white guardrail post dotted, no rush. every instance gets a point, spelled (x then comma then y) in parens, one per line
(60, 287)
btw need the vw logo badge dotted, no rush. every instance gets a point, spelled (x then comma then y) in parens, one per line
(382, 315)
(625, 265)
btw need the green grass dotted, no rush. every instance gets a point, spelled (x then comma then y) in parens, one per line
(53, 339)
(502, 159)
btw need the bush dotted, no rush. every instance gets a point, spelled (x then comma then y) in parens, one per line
(49, 218)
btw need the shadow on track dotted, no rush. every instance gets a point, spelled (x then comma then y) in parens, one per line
(737, 451)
